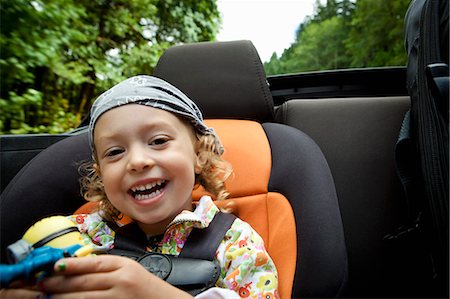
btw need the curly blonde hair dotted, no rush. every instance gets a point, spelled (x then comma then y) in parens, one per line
(213, 172)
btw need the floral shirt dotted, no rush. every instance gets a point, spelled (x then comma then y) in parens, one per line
(246, 268)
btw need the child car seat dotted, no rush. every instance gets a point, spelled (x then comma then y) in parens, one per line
(282, 184)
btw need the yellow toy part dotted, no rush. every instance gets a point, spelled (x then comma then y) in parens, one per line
(54, 231)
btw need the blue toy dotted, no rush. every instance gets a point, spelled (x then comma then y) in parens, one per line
(40, 259)
(42, 245)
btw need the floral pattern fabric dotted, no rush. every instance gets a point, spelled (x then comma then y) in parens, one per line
(246, 267)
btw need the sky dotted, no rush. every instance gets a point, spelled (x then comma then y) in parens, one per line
(269, 24)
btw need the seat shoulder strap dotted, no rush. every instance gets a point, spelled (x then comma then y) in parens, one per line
(203, 243)
(130, 238)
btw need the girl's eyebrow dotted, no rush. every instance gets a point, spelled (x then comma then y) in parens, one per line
(152, 126)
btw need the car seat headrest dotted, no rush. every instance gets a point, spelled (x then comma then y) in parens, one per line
(248, 151)
(225, 79)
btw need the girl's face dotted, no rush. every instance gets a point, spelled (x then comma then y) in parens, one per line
(146, 159)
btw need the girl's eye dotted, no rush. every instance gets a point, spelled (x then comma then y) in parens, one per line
(159, 141)
(114, 152)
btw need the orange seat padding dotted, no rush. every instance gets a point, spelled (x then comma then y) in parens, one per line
(269, 213)
(248, 151)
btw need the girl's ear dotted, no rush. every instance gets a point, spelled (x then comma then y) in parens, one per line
(198, 166)
(97, 169)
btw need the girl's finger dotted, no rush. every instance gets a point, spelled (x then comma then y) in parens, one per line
(83, 274)
(77, 295)
(77, 283)
(90, 264)
(21, 293)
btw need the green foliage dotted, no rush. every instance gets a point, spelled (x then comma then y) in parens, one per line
(321, 47)
(376, 34)
(56, 56)
(344, 34)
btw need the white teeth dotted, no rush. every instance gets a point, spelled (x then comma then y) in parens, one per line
(147, 196)
(147, 186)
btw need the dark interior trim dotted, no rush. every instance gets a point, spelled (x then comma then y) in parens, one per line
(363, 82)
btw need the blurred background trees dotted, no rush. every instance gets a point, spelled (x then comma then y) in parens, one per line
(346, 34)
(56, 56)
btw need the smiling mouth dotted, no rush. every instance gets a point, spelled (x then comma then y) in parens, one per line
(147, 191)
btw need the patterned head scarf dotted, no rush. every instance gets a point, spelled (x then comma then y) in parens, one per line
(153, 92)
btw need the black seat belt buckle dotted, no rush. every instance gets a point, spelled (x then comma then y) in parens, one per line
(405, 231)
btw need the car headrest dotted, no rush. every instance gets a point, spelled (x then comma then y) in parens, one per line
(225, 79)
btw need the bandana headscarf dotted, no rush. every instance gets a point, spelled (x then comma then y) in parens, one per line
(153, 92)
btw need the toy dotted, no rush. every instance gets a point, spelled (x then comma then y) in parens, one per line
(42, 245)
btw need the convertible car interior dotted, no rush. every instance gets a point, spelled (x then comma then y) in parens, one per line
(313, 155)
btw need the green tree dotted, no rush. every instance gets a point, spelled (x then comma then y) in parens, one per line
(319, 43)
(321, 47)
(57, 55)
(331, 8)
(376, 34)
(344, 34)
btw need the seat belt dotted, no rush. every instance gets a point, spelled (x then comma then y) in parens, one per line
(422, 152)
(203, 243)
(194, 269)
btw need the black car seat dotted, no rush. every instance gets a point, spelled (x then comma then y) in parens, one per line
(227, 80)
(282, 184)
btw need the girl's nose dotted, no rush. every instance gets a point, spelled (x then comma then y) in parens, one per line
(139, 160)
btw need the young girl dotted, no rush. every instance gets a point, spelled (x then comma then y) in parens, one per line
(151, 148)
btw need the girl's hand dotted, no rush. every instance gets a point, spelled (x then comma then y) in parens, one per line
(106, 276)
(20, 293)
